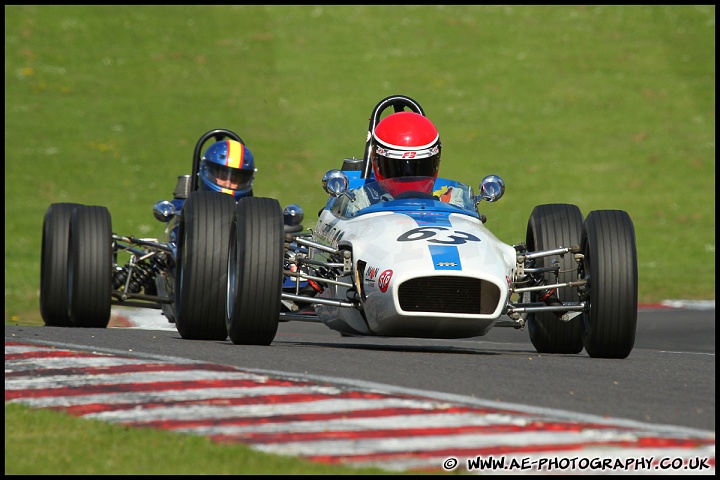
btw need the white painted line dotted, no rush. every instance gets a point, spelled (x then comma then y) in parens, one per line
(198, 412)
(186, 395)
(396, 422)
(61, 381)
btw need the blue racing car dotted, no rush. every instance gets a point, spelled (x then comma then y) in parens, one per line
(86, 267)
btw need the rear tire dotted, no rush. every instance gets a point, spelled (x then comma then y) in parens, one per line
(255, 272)
(551, 226)
(201, 265)
(90, 267)
(54, 265)
(610, 266)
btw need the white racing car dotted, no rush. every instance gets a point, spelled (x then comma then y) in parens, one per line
(413, 265)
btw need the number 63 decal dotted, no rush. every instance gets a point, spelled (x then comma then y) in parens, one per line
(453, 237)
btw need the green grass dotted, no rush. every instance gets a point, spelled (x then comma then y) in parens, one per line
(46, 442)
(606, 107)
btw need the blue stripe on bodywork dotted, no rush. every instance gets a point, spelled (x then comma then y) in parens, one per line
(444, 257)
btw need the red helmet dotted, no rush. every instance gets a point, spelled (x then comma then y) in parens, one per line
(405, 153)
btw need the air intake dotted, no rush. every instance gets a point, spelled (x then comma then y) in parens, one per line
(460, 295)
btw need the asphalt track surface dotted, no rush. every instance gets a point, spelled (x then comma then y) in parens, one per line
(660, 401)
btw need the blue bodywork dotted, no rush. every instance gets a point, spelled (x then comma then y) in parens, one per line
(464, 204)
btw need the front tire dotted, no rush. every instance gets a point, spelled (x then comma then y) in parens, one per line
(54, 265)
(551, 226)
(90, 267)
(255, 272)
(201, 265)
(610, 266)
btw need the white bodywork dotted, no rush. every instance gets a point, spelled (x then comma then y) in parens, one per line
(446, 253)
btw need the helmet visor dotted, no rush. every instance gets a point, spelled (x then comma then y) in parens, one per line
(391, 164)
(228, 177)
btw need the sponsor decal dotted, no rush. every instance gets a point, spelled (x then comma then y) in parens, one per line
(371, 273)
(424, 153)
(446, 264)
(384, 280)
(330, 232)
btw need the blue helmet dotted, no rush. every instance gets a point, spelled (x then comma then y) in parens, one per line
(228, 167)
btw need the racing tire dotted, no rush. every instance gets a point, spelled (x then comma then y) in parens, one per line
(201, 265)
(551, 226)
(255, 271)
(54, 265)
(610, 267)
(90, 267)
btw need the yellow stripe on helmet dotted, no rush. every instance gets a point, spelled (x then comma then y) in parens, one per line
(235, 154)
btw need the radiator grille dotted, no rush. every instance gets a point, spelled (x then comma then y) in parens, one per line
(459, 295)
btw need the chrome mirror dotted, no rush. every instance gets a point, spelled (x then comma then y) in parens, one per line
(293, 215)
(492, 188)
(164, 211)
(335, 183)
